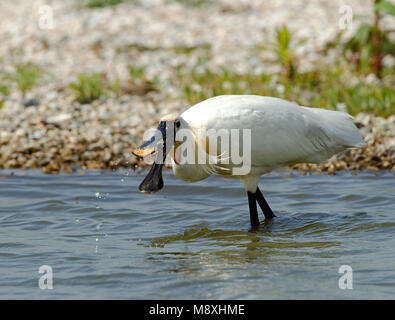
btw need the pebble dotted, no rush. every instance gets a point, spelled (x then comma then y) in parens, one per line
(30, 102)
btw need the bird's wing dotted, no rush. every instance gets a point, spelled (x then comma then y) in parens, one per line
(288, 135)
(281, 132)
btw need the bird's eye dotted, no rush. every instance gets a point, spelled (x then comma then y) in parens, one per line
(177, 123)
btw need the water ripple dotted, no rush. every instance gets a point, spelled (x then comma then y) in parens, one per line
(103, 239)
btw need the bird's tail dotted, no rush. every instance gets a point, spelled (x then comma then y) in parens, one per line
(339, 126)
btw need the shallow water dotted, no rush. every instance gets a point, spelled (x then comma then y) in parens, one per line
(104, 240)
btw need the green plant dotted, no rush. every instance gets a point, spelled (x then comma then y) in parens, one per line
(116, 87)
(4, 90)
(194, 3)
(89, 87)
(138, 84)
(100, 3)
(326, 86)
(137, 72)
(26, 76)
(385, 6)
(201, 83)
(178, 49)
(284, 50)
(370, 43)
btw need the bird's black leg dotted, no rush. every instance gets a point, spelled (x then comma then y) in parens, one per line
(263, 204)
(252, 199)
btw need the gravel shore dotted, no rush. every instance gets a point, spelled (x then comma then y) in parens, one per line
(48, 129)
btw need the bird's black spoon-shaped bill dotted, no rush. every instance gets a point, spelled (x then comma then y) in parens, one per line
(153, 182)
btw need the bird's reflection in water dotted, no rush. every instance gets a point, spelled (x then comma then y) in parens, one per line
(256, 251)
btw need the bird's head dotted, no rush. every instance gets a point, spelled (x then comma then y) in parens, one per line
(159, 144)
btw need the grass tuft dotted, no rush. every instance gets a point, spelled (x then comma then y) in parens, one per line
(99, 3)
(26, 76)
(194, 3)
(88, 87)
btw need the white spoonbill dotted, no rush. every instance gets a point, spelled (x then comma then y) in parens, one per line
(275, 133)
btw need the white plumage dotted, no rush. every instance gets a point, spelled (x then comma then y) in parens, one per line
(282, 133)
